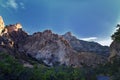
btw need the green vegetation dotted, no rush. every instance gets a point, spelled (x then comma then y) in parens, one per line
(116, 35)
(12, 69)
(110, 69)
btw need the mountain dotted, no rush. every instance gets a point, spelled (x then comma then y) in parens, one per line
(85, 46)
(49, 48)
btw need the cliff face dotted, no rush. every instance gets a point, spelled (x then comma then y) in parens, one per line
(114, 49)
(8, 28)
(12, 35)
(14, 27)
(115, 45)
(85, 46)
(50, 48)
(1, 24)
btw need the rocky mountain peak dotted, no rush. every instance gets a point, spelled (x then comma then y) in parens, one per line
(11, 35)
(13, 27)
(48, 47)
(85, 46)
(47, 32)
(8, 28)
(1, 24)
(68, 34)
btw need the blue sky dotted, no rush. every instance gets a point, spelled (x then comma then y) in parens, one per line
(86, 19)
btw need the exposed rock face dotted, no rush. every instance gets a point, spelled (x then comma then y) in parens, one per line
(90, 59)
(114, 49)
(52, 49)
(8, 28)
(48, 47)
(85, 46)
(13, 35)
(115, 45)
(15, 27)
(1, 25)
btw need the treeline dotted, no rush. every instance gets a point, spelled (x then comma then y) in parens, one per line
(12, 69)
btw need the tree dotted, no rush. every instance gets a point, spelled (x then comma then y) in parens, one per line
(116, 35)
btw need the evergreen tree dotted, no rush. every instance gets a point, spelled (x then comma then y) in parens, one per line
(116, 35)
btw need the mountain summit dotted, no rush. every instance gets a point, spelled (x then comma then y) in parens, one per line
(1, 24)
(85, 46)
(50, 48)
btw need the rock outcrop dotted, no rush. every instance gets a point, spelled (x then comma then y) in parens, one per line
(91, 59)
(49, 48)
(14, 27)
(115, 45)
(1, 25)
(85, 46)
(53, 49)
(13, 35)
(114, 50)
(9, 28)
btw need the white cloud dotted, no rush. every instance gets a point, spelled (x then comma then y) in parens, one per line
(104, 42)
(89, 39)
(12, 4)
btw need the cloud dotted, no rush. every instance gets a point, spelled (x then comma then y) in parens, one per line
(12, 4)
(104, 42)
(89, 39)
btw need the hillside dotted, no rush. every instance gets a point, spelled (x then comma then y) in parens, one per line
(50, 48)
(49, 56)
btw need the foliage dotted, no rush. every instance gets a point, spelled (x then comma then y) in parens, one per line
(116, 35)
(12, 69)
(110, 69)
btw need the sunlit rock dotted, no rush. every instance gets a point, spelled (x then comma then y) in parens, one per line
(1, 25)
(14, 27)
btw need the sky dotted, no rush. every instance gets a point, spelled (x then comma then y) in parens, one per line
(90, 20)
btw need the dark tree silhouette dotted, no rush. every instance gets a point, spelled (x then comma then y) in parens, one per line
(116, 35)
(118, 25)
